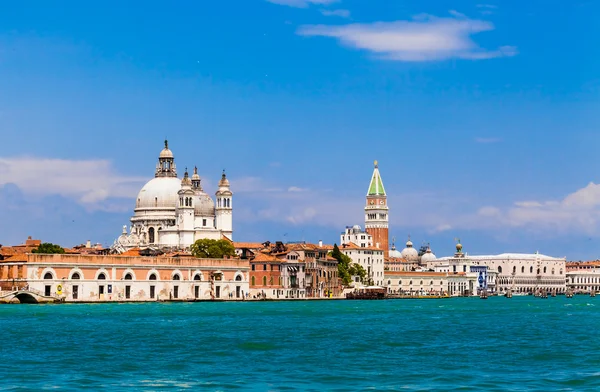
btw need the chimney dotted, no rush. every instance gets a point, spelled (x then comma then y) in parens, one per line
(320, 243)
(88, 244)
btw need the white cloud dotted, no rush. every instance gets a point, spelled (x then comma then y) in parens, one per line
(425, 38)
(491, 6)
(340, 12)
(89, 182)
(487, 140)
(302, 3)
(578, 212)
(296, 189)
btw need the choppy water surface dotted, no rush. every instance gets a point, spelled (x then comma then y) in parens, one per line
(449, 344)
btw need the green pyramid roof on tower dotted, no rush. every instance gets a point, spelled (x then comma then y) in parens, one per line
(376, 187)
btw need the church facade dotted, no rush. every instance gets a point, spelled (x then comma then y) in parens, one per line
(172, 214)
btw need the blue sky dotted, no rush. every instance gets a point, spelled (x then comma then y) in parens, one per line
(482, 115)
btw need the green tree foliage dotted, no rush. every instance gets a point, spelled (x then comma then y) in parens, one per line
(358, 270)
(212, 249)
(346, 268)
(48, 248)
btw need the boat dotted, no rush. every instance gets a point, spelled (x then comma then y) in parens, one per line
(508, 294)
(569, 293)
(593, 293)
(483, 294)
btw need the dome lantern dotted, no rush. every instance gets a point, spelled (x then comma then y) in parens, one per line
(166, 163)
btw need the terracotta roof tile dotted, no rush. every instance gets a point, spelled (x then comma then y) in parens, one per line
(21, 257)
(248, 245)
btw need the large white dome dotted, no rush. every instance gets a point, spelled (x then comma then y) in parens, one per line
(159, 192)
(203, 205)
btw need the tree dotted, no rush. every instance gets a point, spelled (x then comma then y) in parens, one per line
(212, 249)
(344, 263)
(48, 248)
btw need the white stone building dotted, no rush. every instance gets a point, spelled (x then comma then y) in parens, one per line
(518, 272)
(172, 213)
(358, 245)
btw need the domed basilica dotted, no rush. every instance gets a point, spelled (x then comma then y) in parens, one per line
(172, 213)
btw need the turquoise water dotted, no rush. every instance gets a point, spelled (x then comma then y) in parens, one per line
(448, 344)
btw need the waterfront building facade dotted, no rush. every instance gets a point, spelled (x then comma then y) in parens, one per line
(266, 280)
(583, 277)
(370, 258)
(172, 214)
(129, 277)
(520, 273)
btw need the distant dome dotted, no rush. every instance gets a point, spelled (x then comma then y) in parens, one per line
(409, 253)
(356, 227)
(428, 256)
(203, 205)
(395, 253)
(159, 192)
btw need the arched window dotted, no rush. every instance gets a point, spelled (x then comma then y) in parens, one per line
(264, 280)
(102, 276)
(538, 271)
(531, 270)
(48, 276)
(560, 271)
(253, 281)
(176, 277)
(197, 277)
(499, 269)
(152, 277)
(523, 269)
(238, 278)
(544, 269)
(75, 276)
(128, 276)
(431, 283)
(151, 235)
(156, 202)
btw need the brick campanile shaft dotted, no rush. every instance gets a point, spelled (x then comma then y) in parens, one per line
(376, 212)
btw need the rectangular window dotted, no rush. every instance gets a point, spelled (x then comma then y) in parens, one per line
(127, 292)
(152, 292)
(218, 292)
(203, 222)
(264, 267)
(75, 292)
(176, 292)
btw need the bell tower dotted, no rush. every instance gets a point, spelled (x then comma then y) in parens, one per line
(376, 212)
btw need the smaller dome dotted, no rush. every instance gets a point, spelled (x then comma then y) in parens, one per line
(203, 205)
(396, 254)
(224, 181)
(186, 181)
(410, 254)
(409, 244)
(166, 153)
(428, 256)
(195, 176)
(356, 227)
(458, 246)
